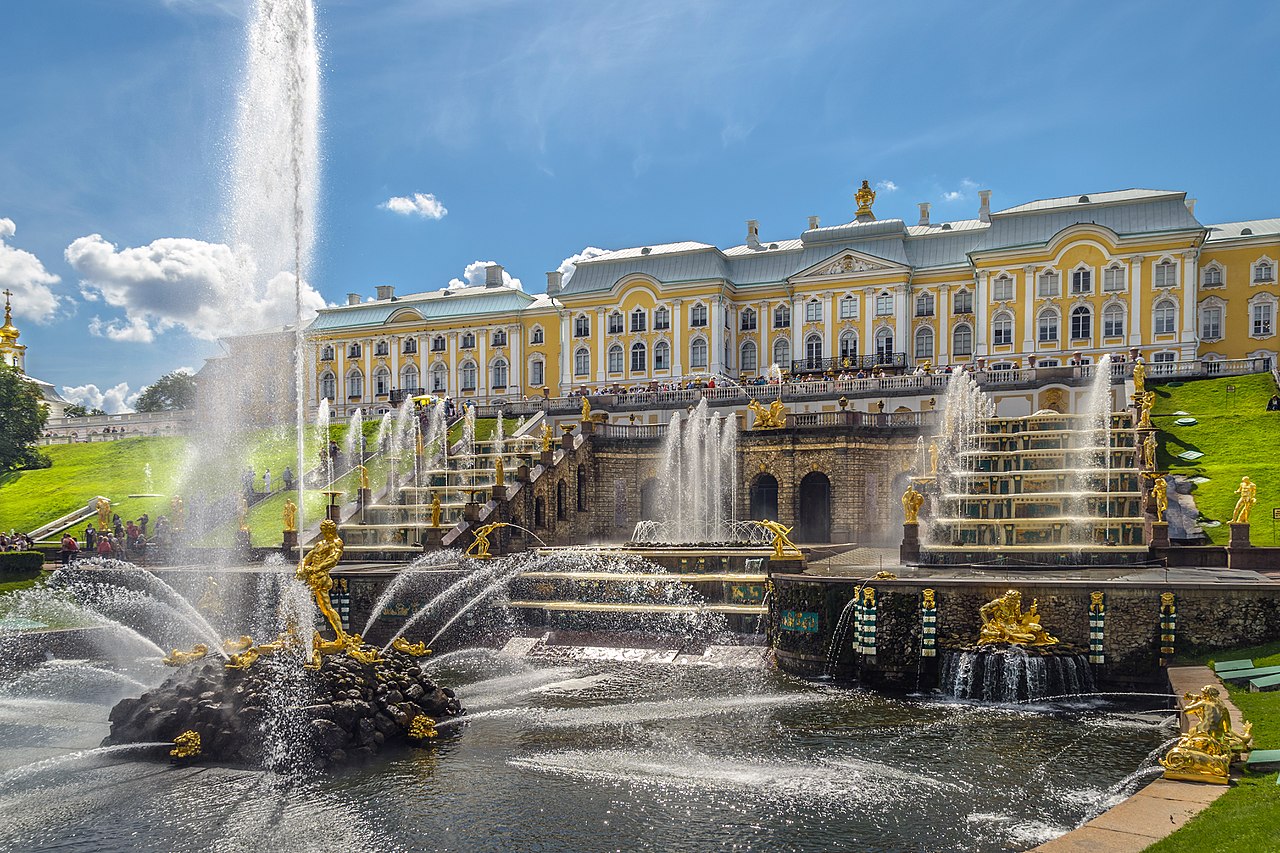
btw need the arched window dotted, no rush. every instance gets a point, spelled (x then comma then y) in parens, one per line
(1166, 274)
(924, 342)
(582, 326)
(698, 315)
(698, 354)
(1113, 279)
(1165, 317)
(409, 377)
(1263, 271)
(582, 362)
(499, 373)
(747, 357)
(782, 353)
(748, 318)
(661, 356)
(437, 343)
(326, 354)
(353, 351)
(355, 384)
(962, 340)
(537, 373)
(467, 375)
(381, 382)
(439, 378)
(1213, 276)
(1002, 288)
(538, 336)
(1113, 321)
(639, 358)
(1002, 329)
(410, 346)
(1082, 281)
(661, 319)
(328, 386)
(782, 316)
(615, 323)
(381, 348)
(813, 311)
(1211, 323)
(639, 320)
(615, 359)
(925, 305)
(962, 302)
(884, 304)
(1047, 326)
(884, 345)
(813, 352)
(500, 338)
(468, 341)
(1047, 284)
(1081, 323)
(848, 347)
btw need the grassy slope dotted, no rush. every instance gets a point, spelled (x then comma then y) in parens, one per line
(1238, 437)
(1246, 819)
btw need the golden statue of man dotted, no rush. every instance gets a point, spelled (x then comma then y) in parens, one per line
(546, 438)
(911, 503)
(364, 476)
(1161, 490)
(435, 510)
(1248, 493)
(290, 516)
(1004, 622)
(479, 549)
(933, 457)
(586, 408)
(1148, 400)
(103, 507)
(314, 572)
(1149, 448)
(1139, 378)
(782, 546)
(499, 475)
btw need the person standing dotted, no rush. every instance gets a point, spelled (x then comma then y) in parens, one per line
(90, 537)
(104, 546)
(69, 548)
(143, 521)
(266, 481)
(287, 477)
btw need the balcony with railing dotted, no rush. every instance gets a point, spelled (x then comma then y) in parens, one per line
(868, 361)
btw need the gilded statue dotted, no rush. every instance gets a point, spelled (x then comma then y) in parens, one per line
(103, 507)
(290, 516)
(1204, 752)
(479, 549)
(546, 438)
(1139, 378)
(435, 510)
(865, 197)
(1148, 400)
(499, 475)
(1248, 493)
(911, 503)
(1096, 602)
(186, 745)
(929, 601)
(774, 417)
(1149, 447)
(177, 657)
(314, 571)
(782, 546)
(1004, 622)
(422, 727)
(586, 409)
(364, 477)
(236, 645)
(933, 458)
(416, 650)
(1160, 488)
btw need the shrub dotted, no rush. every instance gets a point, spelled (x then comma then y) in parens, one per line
(19, 565)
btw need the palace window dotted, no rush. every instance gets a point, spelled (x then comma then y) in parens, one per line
(409, 377)
(963, 303)
(748, 320)
(698, 354)
(884, 345)
(813, 351)
(924, 342)
(1113, 321)
(1164, 357)
(962, 340)
(437, 343)
(661, 356)
(781, 316)
(537, 336)
(439, 378)
(328, 386)
(468, 341)
(1166, 274)
(661, 319)
(698, 315)
(924, 305)
(1048, 284)
(1211, 323)
(1002, 289)
(1165, 317)
(410, 346)
(582, 326)
(782, 352)
(353, 351)
(639, 320)
(884, 305)
(381, 382)
(355, 385)
(639, 358)
(1081, 323)
(326, 354)
(615, 359)
(1262, 314)
(1047, 326)
(615, 323)
(582, 362)
(381, 348)
(1082, 281)
(500, 372)
(537, 373)
(1002, 329)
(747, 357)
(1113, 279)
(848, 345)
(500, 338)
(1213, 276)
(467, 375)
(813, 311)
(848, 308)
(1263, 272)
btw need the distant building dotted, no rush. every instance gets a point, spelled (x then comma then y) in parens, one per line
(254, 378)
(14, 354)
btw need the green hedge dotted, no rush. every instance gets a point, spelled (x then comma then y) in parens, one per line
(16, 565)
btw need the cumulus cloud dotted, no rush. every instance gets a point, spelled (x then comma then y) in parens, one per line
(113, 400)
(474, 274)
(569, 264)
(424, 205)
(206, 289)
(966, 188)
(24, 274)
(886, 186)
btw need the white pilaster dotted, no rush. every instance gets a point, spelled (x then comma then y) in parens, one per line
(1136, 301)
(715, 358)
(1188, 339)
(602, 346)
(981, 311)
(797, 331)
(677, 338)
(567, 347)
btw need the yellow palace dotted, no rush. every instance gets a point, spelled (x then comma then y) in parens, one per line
(1040, 284)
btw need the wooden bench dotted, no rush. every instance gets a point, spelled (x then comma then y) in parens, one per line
(1228, 665)
(1264, 684)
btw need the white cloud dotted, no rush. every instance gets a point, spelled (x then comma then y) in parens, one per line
(474, 275)
(966, 188)
(424, 205)
(113, 400)
(953, 195)
(24, 274)
(568, 265)
(207, 289)
(887, 186)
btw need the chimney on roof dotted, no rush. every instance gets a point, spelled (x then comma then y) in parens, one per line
(813, 223)
(493, 275)
(555, 279)
(753, 233)
(984, 209)
(386, 291)
(1191, 206)
(353, 299)
(924, 213)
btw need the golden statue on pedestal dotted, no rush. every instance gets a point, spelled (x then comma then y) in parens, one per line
(586, 409)
(364, 477)
(290, 516)
(499, 475)
(1149, 447)
(933, 458)
(782, 546)
(1139, 378)
(546, 438)
(1148, 400)
(1248, 493)
(1160, 488)
(774, 417)
(479, 549)
(865, 197)
(1205, 751)
(435, 510)
(1004, 622)
(103, 508)
(911, 503)
(314, 571)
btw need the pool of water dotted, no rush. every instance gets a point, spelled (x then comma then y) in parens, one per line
(595, 757)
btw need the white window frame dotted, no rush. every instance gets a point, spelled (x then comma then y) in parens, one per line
(1002, 322)
(1085, 312)
(1082, 281)
(1263, 266)
(614, 359)
(1053, 315)
(884, 304)
(1214, 310)
(782, 346)
(957, 349)
(661, 319)
(924, 335)
(813, 311)
(582, 362)
(849, 308)
(782, 316)
(1002, 288)
(1213, 275)
(1164, 273)
(662, 356)
(698, 315)
(962, 302)
(926, 304)
(1164, 317)
(748, 357)
(615, 323)
(1110, 312)
(468, 376)
(1113, 279)
(1048, 284)
(699, 354)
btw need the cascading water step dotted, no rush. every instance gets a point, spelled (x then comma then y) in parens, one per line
(544, 648)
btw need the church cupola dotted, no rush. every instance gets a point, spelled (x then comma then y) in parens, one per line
(10, 350)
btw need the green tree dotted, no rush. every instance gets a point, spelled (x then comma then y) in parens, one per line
(78, 410)
(170, 393)
(22, 419)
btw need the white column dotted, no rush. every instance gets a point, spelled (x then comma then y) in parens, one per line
(901, 323)
(451, 358)
(567, 347)
(677, 342)
(396, 343)
(482, 364)
(603, 346)
(797, 331)
(1028, 310)
(980, 310)
(830, 347)
(1188, 338)
(515, 363)
(764, 322)
(340, 384)
(368, 371)
(1135, 300)
(715, 358)
(942, 341)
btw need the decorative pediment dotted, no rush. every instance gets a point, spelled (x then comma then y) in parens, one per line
(845, 264)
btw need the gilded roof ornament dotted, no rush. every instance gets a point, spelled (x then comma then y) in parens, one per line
(865, 196)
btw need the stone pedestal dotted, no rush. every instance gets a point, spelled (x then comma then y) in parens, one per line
(500, 493)
(786, 565)
(566, 441)
(547, 458)
(333, 512)
(471, 511)
(433, 538)
(1159, 534)
(909, 550)
(1239, 536)
(522, 473)
(290, 540)
(365, 497)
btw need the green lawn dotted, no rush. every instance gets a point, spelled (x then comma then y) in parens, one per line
(1246, 818)
(1237, 436)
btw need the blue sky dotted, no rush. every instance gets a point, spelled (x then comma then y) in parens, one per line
(544, 128)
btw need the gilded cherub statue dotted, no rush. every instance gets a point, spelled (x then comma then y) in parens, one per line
(1160, 488)
(1004, 622)
(586, 408)
(911, 503)
(1248, 493)
(933, 458)
(1148, 400)
(499, 475)
(290, 516)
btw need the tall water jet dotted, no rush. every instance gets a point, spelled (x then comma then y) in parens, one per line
(699, 475)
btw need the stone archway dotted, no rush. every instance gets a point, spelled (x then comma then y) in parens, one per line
(649, 499)
(814, 511)
(764, 498)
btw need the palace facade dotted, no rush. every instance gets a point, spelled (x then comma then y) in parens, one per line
(1040, 284)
